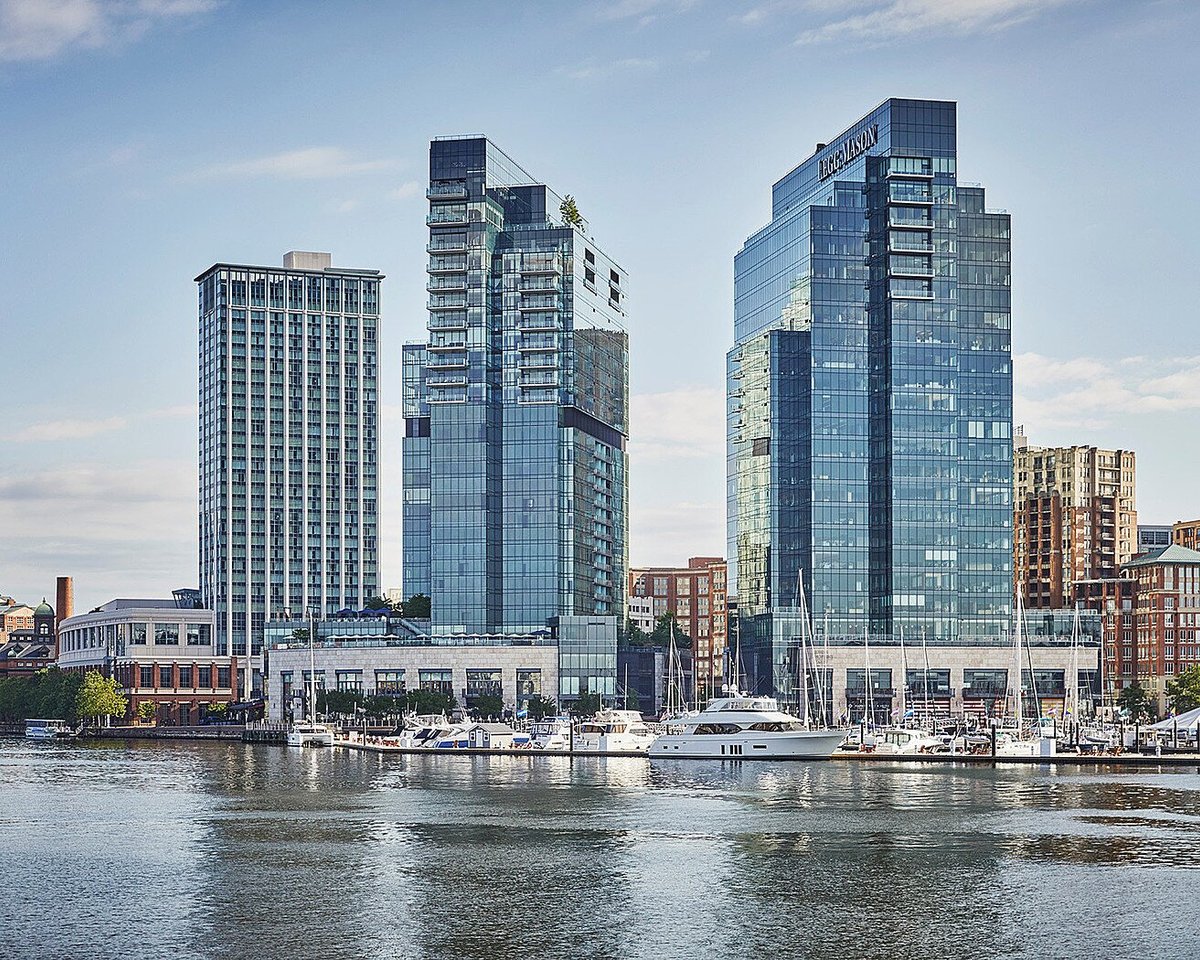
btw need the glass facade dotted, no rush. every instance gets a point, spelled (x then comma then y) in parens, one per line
(288, 438)
(516, 407)
(870, 397)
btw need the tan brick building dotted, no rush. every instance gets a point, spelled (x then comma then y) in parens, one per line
(1074, 518)
(696, 595)
(1186, 533)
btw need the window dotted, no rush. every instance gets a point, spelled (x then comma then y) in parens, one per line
(146, 678)
(389, 681)
(529, 684)
(197, 634)
(137, 633)
(483, 683)
(349, 681)
(164, 677)
(185, 677)
(438, 681)
(204, 680)
(223, 680)
(166, 634)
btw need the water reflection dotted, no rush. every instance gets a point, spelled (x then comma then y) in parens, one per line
(232, 850)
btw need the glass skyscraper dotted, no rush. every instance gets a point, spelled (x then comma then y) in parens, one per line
(870, 396)
(289, 426)
(516, 410)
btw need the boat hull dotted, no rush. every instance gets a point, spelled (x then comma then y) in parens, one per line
(748, 745)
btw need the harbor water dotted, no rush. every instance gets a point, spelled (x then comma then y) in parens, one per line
(231, 850)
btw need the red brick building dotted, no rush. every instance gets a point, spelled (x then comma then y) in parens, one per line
(1151, 619)
(695, 594)
(1186, 533)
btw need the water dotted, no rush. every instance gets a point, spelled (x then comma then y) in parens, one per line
(213, 850)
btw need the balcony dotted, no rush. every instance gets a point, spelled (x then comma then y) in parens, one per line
(455, 283)
(447, 265)
(532, 380)
(448, 321)
(541, 303)
(448, 362)
(447, 217)
(908, 223)
(538, 361)
(447, 303)
(447, 191)
(539, 323)
(541, 284)
(539, 343)
(535, 264)
(918, 243)
(447, 245)
(446, 380)
(447, 345)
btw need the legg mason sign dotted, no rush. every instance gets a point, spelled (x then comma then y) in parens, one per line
(849, 149)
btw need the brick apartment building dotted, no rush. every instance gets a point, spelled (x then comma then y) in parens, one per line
(696, 595)
(1074, 518)
(1150, 618)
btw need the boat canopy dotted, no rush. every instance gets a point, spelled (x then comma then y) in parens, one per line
(1185, 721)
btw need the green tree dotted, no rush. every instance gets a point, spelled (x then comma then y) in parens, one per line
(417, 607)
(587, 705)
(377, 603)
(301, 634)
(99, 699)
(380, 705)
(341, 703)
(540, 707)
(635, 635)
(488, 705)
(1183, 690)
(49, 694)
(218, 711)
(428, 702)
(147, 711)
(569, 211)
(1135, 703)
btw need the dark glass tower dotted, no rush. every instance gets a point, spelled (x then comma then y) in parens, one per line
(516, 407)
(870, 396)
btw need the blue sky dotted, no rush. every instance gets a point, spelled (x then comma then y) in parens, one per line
(145, 139)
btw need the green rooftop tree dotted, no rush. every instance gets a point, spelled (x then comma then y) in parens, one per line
(570, 212)
(1136, 704)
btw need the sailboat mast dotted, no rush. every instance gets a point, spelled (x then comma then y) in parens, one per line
(867, 667)
(903, 680)
(312, 669)
(925, 657)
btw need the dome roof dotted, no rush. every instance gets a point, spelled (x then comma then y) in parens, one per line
(43, 609)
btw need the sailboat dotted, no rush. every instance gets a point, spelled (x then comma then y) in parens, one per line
(1021, 741)
(307, 732)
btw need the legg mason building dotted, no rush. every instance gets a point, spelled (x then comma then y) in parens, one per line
(870, 425)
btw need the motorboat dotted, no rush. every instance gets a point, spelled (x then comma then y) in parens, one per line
(904, 741)
(309, 734)
(614, 731)
(423, 731)
(48, 730)
(744, 727)
(550, 733)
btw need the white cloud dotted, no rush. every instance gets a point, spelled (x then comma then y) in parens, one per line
(1091, 392)
(685, 424)
(44, 29)
(308, 163)
(883, 21)
(120, 529)
(82, 428)
(407, 190)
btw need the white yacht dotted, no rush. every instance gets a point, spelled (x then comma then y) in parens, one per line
(424, 731)
(743, 727)
(47, 730)
(614, 731)
(550, 733)
(305, 733)
(905, 741)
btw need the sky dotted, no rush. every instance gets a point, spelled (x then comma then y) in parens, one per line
(143, 140)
